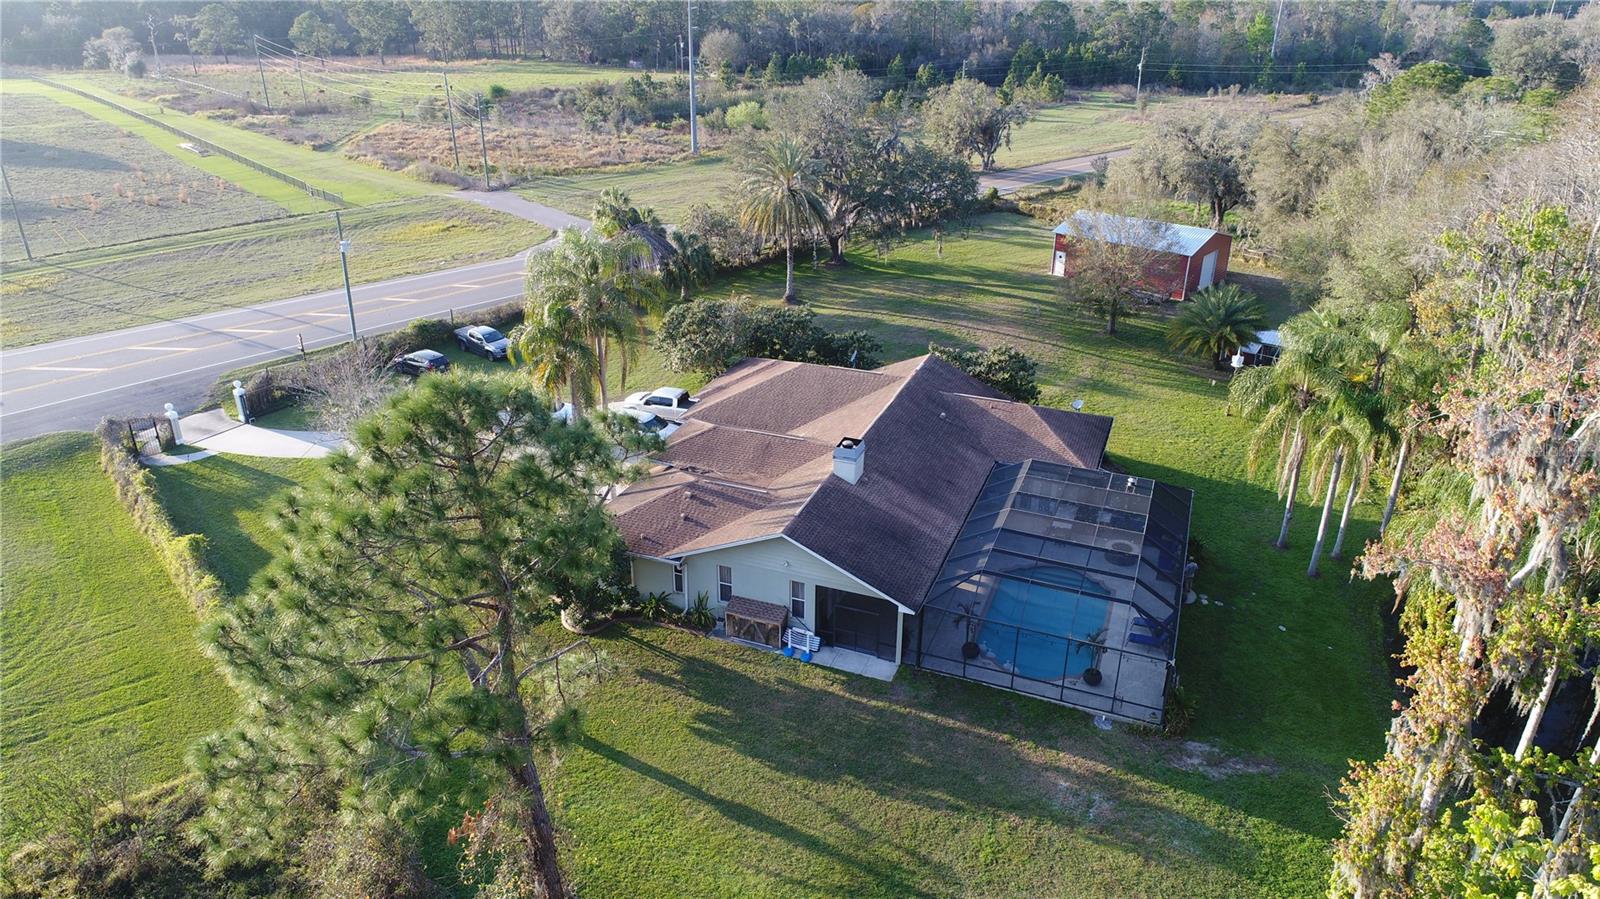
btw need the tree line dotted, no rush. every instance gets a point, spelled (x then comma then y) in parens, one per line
(1181, 43)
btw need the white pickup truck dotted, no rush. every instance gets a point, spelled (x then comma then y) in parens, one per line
(671, 403)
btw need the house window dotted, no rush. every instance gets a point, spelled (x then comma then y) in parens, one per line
(724, 583)
(677, 579)
(797, 600)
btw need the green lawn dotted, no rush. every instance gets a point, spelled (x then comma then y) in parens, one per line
(1096, 123)
(235, 267)
(228, 498)
(670, 188)
(93, 636)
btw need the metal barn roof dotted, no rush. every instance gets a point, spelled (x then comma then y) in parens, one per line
(1184, 240)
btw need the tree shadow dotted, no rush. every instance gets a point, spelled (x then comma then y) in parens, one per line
(964, 752)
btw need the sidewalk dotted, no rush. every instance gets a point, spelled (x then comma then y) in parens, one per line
(214, 432)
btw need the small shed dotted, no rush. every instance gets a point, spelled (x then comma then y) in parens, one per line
(755, 621)
(1183, 259)
(1264, 350)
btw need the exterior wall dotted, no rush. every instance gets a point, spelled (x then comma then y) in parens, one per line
(1223, 245)
(761, 570)
(1170, 274)
(651, 576)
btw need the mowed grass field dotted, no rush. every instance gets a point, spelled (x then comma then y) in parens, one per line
(139, 283)
(1096, 123)
(670, 188)
(358, 183)
(81, 182)
(97, 649)
(716, 770)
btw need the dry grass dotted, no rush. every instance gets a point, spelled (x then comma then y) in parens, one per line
(555, 145)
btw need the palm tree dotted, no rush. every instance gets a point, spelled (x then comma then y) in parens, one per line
(559, 353)
(1289, 400)
(1350, 435)
(1217, 320)
(780, 198)
(614, 213)
(690, 266)
(602, 286)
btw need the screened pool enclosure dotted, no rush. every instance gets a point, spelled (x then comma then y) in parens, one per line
(1064, 583)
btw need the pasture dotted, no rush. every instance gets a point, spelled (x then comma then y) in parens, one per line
(80, 182)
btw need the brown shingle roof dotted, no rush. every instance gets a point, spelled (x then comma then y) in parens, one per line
(754, 459)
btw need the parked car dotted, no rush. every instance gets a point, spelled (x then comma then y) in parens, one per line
(648, 421)
(419, 363)
(670, 403)
(482, 340)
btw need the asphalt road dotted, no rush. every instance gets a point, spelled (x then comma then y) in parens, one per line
(71, 384)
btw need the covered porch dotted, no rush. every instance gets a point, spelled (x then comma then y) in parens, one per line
(765, 625)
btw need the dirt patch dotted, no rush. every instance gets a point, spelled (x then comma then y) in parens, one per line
(1203, 758)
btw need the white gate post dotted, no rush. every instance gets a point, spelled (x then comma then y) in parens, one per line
(177, 433)
(238, 401)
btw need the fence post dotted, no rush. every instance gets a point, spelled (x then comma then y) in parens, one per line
(177, 432)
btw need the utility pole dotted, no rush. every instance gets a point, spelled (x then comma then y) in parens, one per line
(1276, 21)
(483, 145)
(260, 70)
(450, 110)
(1138, 86)
(344, 263)
(694, 127)
(150, 21)
(302, 76)
(16, 213)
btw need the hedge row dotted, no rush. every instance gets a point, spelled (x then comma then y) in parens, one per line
(182, 555)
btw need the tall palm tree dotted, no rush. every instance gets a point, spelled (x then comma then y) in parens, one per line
(559, 353)
(602, 285)
(779, 197)
(1289, 401)
(1217, 320)
(1347, 439)
(614, 213)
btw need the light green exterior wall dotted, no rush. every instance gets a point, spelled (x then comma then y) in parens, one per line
(761, 570)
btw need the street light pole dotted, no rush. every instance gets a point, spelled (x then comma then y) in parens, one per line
(694, 128)
(344, 263)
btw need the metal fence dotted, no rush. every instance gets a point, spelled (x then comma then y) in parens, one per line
(218, 149)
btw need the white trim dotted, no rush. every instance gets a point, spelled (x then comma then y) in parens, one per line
(875, 591)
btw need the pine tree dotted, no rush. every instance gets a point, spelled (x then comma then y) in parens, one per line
(386, 649)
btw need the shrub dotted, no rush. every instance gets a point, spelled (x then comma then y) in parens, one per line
(699, 615)
(709, 335)
(182, 555)
(438, 174)
(1005, 368)
(749, 114)
(498, 92)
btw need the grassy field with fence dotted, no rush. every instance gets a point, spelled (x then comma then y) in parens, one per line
(82, 181)
(359, 184)
(242, 266)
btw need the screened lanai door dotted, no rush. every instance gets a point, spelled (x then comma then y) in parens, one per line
(857, 621)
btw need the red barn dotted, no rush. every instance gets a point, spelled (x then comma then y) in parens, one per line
(1183, 259)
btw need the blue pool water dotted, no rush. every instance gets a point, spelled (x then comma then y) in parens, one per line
(1019, 609)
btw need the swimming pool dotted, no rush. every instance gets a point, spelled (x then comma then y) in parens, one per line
(1035, 629)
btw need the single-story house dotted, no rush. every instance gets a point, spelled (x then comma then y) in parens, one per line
(1184, 260)
(913, 515)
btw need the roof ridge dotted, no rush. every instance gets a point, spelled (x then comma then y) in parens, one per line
(904, 381)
